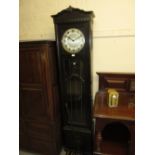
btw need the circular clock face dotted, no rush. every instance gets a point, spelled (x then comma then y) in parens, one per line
(73, 40)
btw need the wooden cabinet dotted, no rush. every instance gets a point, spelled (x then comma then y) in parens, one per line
(115, 127)
(39, 117)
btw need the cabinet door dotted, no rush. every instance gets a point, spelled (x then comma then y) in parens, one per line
(33, 90)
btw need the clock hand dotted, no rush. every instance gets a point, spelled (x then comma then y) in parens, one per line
(77, 37)
(70, 38)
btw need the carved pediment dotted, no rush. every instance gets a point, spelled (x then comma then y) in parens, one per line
(72, 14)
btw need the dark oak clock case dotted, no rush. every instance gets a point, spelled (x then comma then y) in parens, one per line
(75, 80)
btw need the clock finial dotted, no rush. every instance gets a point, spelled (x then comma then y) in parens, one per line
(70, 7)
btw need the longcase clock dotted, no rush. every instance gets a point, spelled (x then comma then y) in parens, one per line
(73, 30)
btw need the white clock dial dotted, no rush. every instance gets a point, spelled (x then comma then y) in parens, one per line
(73, 40)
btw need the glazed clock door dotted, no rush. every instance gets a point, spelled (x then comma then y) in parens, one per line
(74, 90)
(74, 61)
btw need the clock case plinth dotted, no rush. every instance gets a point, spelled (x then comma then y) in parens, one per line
(75, 80)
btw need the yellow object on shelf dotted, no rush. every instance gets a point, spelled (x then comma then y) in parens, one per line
(113, 97)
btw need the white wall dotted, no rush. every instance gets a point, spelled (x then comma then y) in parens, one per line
(113, 30)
